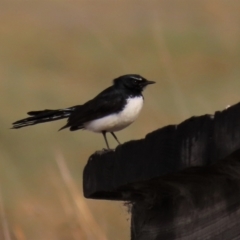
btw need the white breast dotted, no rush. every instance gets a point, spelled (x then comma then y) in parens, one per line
(118, 121)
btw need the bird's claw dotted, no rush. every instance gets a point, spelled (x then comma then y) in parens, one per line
(104, 150)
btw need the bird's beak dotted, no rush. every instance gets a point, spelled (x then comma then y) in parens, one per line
(148, 82)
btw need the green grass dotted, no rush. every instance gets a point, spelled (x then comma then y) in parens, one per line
(58, 54)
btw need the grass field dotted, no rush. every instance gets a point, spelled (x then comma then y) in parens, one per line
(56, 54)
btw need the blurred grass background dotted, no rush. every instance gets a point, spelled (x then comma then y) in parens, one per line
(56, 54)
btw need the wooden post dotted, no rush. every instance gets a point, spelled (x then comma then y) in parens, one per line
(182, 181)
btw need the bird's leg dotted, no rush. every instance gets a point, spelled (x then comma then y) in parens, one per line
(105, 138)
(115, 138)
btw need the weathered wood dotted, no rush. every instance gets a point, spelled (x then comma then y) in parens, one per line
(182, 181)
(198, 203)
(198, 141)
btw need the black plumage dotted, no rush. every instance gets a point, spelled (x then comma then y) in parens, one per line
(109, 101)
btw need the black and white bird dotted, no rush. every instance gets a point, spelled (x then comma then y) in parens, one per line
(111, 110)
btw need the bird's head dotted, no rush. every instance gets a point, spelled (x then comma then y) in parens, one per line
(133, 82)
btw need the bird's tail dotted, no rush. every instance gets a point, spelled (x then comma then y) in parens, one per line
(47, 115)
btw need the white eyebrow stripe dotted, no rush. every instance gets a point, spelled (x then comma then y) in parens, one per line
(139, 79)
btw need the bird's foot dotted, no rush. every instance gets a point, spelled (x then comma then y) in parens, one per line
(104, 150)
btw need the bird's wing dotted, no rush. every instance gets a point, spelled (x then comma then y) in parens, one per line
(107, 102)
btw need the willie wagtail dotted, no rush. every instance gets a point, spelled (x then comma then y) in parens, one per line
(111, 110)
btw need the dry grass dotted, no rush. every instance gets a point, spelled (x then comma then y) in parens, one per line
(58, 53)
(84, 215)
